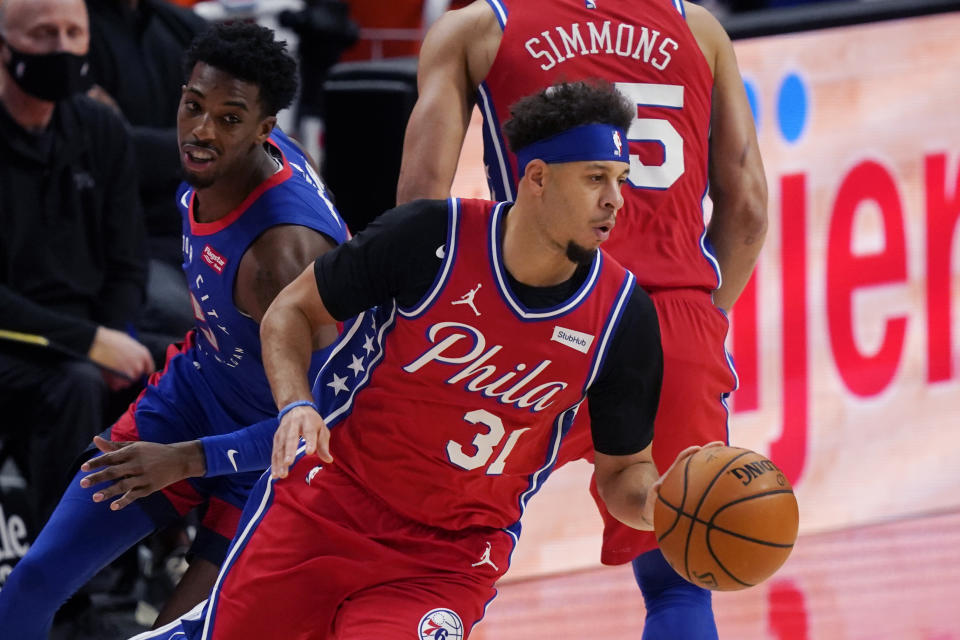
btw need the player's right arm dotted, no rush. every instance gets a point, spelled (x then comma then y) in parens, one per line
(738, 186)
(454, 58)
(393, 259)
(287, 329)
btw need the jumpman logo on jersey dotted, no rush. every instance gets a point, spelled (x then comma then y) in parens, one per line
(467, 298)
(485, 559)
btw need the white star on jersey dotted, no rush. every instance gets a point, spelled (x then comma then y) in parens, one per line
(368, 345)
(356, 366)
(339, 384)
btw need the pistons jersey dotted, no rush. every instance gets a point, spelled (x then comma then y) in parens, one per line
(647, 50)
(227, 351)
(456, 419)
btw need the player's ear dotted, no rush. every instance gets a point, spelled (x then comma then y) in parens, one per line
(266, 128)
(536, 172)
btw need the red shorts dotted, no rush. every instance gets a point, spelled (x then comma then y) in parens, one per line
(327, 560)
(697, 378)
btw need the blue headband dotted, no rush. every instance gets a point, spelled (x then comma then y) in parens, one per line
(586, 142)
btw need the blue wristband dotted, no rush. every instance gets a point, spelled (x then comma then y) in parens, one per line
(293, 405)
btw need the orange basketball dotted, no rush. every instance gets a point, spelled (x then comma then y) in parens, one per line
(726, 518)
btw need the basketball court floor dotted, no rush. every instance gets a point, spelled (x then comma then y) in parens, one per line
(891, 581)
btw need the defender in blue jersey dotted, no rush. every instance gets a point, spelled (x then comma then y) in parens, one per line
(255, 214)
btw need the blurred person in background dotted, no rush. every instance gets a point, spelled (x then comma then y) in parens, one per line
(72, 265)
(136, 54)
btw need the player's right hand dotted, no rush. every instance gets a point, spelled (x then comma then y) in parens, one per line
(302, 422)
(654, 490)
(116, 351)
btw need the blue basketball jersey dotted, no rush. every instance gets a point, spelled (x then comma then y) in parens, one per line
(227, 352)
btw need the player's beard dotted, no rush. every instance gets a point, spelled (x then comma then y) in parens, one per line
(196, 181)
(580, 255)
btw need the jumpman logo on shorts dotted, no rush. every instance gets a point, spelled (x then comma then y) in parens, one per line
(485, 559)
(467, 298)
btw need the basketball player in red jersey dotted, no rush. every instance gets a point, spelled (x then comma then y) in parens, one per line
(692, 134)
(491, 323)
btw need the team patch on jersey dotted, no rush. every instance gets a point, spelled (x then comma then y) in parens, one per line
(574, 339)
(216, 261)
(440, 624)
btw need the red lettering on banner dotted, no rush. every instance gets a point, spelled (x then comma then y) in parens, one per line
(943, 214)
(864, 374)
(744, 343)
(790, 449)
(787, 611)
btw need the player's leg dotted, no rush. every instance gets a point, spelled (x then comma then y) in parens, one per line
(83, 536)
(80, 538)
(285, 559)
(697, 378)
(225, 497)
(425, 582)
(675, 607)
(193, 588)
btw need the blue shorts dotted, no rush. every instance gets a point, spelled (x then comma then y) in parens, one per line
(178, 405)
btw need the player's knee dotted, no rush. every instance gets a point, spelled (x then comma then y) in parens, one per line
(32, 580)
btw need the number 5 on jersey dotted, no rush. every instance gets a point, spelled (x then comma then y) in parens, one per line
(668, 96)
(484, 443)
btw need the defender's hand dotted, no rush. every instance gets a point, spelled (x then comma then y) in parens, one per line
(138, 469)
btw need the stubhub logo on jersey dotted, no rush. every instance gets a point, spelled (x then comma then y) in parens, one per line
(573, 339)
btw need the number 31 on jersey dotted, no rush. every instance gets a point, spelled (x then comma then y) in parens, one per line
(484, 444)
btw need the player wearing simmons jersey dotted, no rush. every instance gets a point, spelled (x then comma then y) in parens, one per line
(254, 214)
(692, 133)
(495, 321)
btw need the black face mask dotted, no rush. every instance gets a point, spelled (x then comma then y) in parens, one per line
(49, 76)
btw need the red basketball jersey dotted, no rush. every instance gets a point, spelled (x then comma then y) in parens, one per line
(462, 416)
(647, 50)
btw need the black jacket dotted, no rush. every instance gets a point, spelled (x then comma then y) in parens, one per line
(72, 240)
(136, 55)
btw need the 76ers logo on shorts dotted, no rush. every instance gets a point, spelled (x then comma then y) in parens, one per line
(441, 624)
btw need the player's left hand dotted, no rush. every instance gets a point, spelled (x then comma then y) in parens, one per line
(138, 469)
(654, 490)
(302, 422)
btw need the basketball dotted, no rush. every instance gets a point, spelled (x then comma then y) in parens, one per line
(726, 518)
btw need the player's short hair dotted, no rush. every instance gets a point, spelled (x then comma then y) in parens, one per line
(249, 52)
(564, 106)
